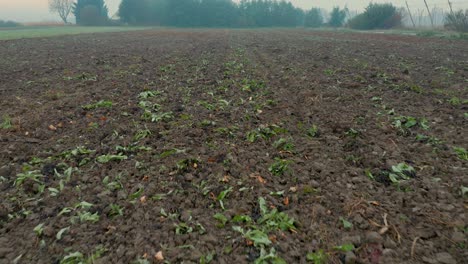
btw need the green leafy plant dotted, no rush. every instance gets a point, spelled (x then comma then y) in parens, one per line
(115, 210)
(222, 195)
(346, 223)
(269, 257)
(157, 117)
(39, 229)
(6, 123)
(401, 171)
(141, 134)
(35, 176)
(319, 257)
(100, 104)
(280, 167)
(108, 158)
(313, 131)
(283, 144)
(462, 153)
(222, 220)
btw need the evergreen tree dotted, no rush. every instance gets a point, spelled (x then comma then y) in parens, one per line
(313, 18)
(90, 12)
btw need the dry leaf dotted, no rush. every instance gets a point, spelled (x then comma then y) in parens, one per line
(52, 127)
(286, 200)
(159, 256)
(143, 199)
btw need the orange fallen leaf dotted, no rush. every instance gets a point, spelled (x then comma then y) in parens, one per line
(103, 118)
(145, 178)
(249, 242)
(60, 125)
(159, 256)
(375, 203)
(52, 127)
(286, 200)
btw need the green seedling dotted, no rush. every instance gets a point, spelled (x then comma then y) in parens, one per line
(183, 228)
(35, 176)
(274, 220)
(100, 104)
(223, 195)
(313, 131)
(136, 194)
(141, 134)
(108, 158)
(222, 220)
(258, 237)
(185, 164)
(455, 101)
(369, 174)
(6, 123)
(462, 153)
(148, 94)
(61, 232)
(207, 105)
(346, 223)
(329, 72)
(88, 217)
(428, 139)
(206, 259)
(171, 152)
(280, 167)
(252, 85)
(39, 229)
(283, 144)
(149, 105)
(269, 258)
(73, 258)
(400, 172)
(157, 117)
(345, 247)
(319, 257)
(115, 210)
(352, 133)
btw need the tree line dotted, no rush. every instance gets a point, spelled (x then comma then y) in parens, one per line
(246, 13)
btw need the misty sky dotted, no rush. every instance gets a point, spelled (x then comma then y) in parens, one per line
(37, 10)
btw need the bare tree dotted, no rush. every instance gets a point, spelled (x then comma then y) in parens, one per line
(62, 7)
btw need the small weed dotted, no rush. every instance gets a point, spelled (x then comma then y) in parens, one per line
(141, 134)
(222, 220)
(39, 229)
(313, 131)
(108, 158)
(6, 123)
(185, 164)
(428, 139)
(35, 176)
(148, 94)
(461, 153)
(269, 257)
(100, 104)
(345, 247)
(157, 117)
(88, 217)
(280, 167)
(283, 144)
(352, 133)
(115, 210)
(183, 228)
(319, 257)
(346, 223)
(223, 195)
(455, 101)
(329, 72)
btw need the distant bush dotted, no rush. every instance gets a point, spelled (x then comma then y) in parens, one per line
(377, 16)
(337, 17)
(457, 21)
(9, 24)
(90, 12)
(313, 18)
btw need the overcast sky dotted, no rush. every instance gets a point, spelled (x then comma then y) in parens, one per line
(37, 10)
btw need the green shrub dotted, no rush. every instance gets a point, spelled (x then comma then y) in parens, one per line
(457, 21)
(377, 16)
(313, 18)
(337, 17)
(4, 23)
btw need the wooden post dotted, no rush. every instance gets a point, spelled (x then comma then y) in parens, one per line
(429, 12)
(410, 15)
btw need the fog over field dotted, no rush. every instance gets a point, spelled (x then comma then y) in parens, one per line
(37, 10)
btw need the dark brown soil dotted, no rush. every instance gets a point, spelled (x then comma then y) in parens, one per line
(209, 92)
